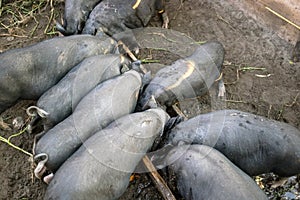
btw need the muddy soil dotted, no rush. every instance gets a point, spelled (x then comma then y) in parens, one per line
(258, 74)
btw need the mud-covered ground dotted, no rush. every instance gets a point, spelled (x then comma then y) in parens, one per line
(258, 74)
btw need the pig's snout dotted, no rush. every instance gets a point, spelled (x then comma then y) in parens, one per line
(61, 29)
(66, 30)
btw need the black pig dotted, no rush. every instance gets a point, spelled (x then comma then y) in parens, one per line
(105, 103)
(114, 16)
(255, 144)
(204, 173)
(28, 72)
(75, 16)
(62, 98)
(186, 78)
(101, 168)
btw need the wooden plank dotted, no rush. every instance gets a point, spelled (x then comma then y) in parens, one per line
(159, 182)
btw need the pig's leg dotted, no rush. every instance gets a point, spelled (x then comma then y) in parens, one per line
(165, 20)
(40, 168)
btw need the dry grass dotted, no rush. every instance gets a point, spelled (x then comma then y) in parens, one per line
(22, 18)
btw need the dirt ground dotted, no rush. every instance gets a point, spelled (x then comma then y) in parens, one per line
(258, 75)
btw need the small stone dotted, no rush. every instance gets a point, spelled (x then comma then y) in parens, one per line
(17, 123)
(289, 195)
(9, 39)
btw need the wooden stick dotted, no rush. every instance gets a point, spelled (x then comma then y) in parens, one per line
(131, 55)
(155, 176)
(178, 111)
(283, 18)
(144, 70)
(158, 180)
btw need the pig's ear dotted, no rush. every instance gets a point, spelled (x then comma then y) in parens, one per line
(144, 13)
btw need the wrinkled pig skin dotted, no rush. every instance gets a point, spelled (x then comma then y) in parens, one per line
(101, 167)
(114, 16)
(255, 144)
(76, 14)
(204, 173)
(61, 99)
(28, 72)
(105, 103)
(186, 78)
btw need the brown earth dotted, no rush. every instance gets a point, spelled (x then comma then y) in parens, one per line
(252, 48)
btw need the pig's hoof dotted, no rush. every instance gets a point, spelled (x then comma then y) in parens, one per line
(150, 103)
(165, 20)
(61, 29)
(40, 168)
(136, 65)
(48, 178)
(222, 90)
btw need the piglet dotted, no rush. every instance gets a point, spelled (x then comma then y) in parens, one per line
(255, 144)
(28, 72)
(114, 16)
(59, 101)
(204, 173)
(101, 167)
(75, 15)
(105, 103)
(186, 78)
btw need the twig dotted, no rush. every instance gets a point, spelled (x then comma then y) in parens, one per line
(16, 134)
(283, 18)
(12, 35)
(7, 141)
(179, 112)
(252, 68)
(280, 113)
(149, 61)
(269, 111)
(34, 28)
(263, 75)
(181, 5)
(222, 19)
(137, 3)
(131, 55)
(158, 180)
(51, 17)
(243, 69)
(220, 77)
(3, 125)
(199, 42)
(294, 101)
(235, 101)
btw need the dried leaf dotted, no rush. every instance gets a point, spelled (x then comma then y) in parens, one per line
(279, 183)
(4, 126)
